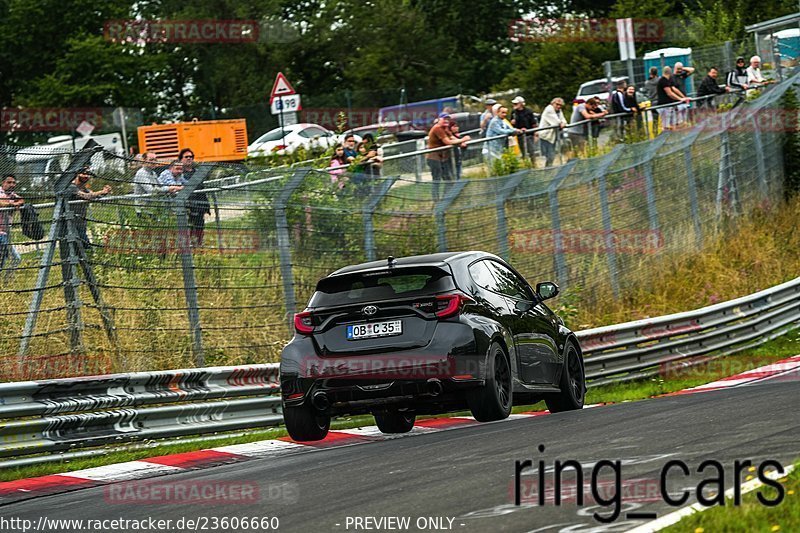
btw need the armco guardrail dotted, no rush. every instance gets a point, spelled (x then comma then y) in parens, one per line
(628, 351)
(97, 410)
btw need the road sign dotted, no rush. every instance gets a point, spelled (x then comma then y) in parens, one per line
(281, 87)
(84, 128)
(286, 104)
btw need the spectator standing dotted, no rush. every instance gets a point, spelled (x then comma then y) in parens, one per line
(197, 203)
(487, 115)
(173, 175)
(633, 104)
(10, 202)
(524, 119)
(737, 78)
(553, 118)
(79, 190)
(499, 125)
(679, 77)
(619, 106)
(709, 87)
(439, 161)
(668, 94)
(338, 165)
(368, 163)
(350, 152)
(458, 150)
(754, 76)
(589, 110)
(145, 182)
(651, 89)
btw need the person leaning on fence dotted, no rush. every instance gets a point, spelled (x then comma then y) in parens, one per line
(145, 183)
(619, 106)
(737, 78)
(10, 202)
(439, 161)
(499, 126)
(709, 87)
(337, 166)
(580, 133)
(457, 151)
(523, 118)
(668, 94)
(754, 77)
(651, 90)
(552, 118)
(79, 195)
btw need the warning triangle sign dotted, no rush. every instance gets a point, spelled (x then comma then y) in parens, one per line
(281, 87)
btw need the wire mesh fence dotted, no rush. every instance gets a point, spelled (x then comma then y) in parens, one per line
(208, 264)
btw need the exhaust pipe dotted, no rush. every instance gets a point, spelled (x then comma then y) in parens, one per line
(434, 387)
(320, 401)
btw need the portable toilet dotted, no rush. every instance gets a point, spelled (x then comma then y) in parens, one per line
(788, 45)
(671, 56)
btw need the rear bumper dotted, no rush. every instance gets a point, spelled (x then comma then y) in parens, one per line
(360, 384)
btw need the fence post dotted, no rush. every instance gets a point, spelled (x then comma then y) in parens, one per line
(692, 189)
(452, 192)
(184, 241)
(555, 220)
(652, 210)
(760, 164)
(217, 221)
(53, 236)
(502, 224)
(611, 254)
(722, 174)
(71, 282)
(284, 244)
(368, 212)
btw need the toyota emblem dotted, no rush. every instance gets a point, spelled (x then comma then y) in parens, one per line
(369, 310)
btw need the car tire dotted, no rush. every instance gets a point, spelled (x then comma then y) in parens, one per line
(572, 384)
(395, 421)
(493, 400)
(304, 423)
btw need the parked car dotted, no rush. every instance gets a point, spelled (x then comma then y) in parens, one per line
(383, 133)
(290, 138)
(598, 88)
(422, 335)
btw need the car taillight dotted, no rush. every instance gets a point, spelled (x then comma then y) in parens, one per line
(449, 305)
(279, 147)
(303, 323)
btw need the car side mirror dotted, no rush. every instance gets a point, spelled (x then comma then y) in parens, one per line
(523, 306)
(546, 290)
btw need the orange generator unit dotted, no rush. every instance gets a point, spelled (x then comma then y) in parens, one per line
(210, 140)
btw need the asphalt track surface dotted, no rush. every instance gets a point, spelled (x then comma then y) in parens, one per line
(467, 474)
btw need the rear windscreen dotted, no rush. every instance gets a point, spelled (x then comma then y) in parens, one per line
(383, 285)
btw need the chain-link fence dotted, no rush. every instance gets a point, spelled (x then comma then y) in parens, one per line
(209, 271)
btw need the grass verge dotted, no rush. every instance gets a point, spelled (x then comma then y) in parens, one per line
(751, 515)
(778, 349)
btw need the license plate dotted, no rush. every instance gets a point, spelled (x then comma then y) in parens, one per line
(374, 329)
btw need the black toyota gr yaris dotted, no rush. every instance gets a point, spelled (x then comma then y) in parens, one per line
(423, 335)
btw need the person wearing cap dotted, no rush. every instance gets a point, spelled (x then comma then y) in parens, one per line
(439, 161)
(79, 190)
(487, 114)
(523, 118)
(737, 78)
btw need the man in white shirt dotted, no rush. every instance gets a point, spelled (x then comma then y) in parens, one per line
(554, 117)
(754, 77)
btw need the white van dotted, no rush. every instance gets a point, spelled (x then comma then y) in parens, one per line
(37, 165)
